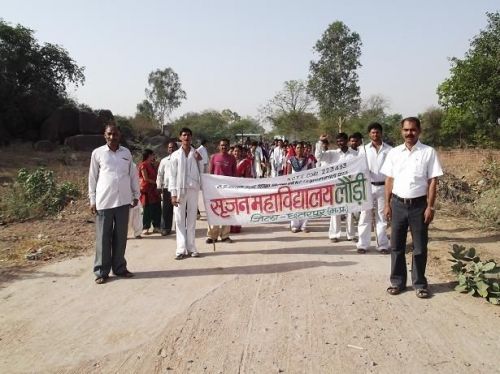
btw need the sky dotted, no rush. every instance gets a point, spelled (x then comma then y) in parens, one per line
(238, 54)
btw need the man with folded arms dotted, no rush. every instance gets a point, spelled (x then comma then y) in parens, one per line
(375, 152)
(412, 169)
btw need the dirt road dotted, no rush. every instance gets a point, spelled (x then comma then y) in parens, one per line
(271, 302)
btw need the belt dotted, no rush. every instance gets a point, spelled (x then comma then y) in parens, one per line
(410, 201)
(378, 183)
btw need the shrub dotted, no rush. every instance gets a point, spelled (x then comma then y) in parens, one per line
(475, 277)
(35, 194)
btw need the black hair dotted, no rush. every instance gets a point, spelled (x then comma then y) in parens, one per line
(356, 135)
(342, 135)
(374, 125)
(415, 120)
(186, 129)
(146, 153)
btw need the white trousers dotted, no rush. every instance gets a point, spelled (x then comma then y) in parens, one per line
(334, 231)
(365, 222)
(299, 224)
(185, 220)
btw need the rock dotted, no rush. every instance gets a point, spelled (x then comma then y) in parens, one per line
(84, 142)
(89, 123)
(44, 146)
(163, 353)
(63, 122)
(105, 115)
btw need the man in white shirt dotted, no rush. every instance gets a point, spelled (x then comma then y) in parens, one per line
(412, 170)
(184, 185)
(167, 210)
(113, 188)
(277, 159)
(375, 152)
(344, 153)
(325, 156)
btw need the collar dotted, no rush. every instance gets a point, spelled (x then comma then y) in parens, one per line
(417, 146)
(110, 150)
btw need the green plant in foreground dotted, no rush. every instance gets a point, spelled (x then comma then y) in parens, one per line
(36, 193)
(474, 276)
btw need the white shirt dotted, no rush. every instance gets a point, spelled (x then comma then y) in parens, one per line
(277, 158)
(411, 170)
(184, 172)
(344, 156)
(163, 173)
(327, 157)
(375, 159)
(204, 154)
(113, 178)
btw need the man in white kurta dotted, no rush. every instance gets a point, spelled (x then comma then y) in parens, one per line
(184, 186)
(375, 153)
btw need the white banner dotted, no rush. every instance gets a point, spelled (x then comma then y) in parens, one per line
(335, 189)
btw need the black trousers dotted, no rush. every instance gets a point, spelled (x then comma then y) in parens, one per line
(412, 215)
(167, 211)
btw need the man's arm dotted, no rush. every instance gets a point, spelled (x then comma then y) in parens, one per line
(431, 199)
(93, 176)
(389, 182)
(160, 175)
(172, 181)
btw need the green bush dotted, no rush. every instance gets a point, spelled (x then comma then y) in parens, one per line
(35, 194)
(474, 276)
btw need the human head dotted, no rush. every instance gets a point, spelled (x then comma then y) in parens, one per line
(410, 130)
(299, 148)
(112, 135)
(253, 145)
(147, 154)
(171, 146)
(224, 146)
(375, 132)
(238, 152)
(342, 141)
(185, 136)
(355, 140)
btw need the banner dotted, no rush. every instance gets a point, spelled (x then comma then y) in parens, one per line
(338, 188)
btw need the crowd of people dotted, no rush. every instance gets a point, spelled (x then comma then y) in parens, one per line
(403, 184)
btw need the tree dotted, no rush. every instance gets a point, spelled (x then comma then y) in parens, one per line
(471, 95)
(165, 94)
(288, 111)
(333, 80)
(33, 80)
(372, 109)
(431, 121)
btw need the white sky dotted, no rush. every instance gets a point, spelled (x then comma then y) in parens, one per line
(237, 54)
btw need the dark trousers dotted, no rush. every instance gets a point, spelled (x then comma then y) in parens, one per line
(151, 214)
(167, 211)
(111, 240)
(412, 215)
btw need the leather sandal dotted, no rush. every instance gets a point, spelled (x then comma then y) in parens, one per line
(422, 293)
(101, 280)
(361, 250)
(393, 290)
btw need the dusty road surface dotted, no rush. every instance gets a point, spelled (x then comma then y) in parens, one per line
(272, 302)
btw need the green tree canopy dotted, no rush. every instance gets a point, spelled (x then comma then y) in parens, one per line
(212, 126)
(164, 94)
(33, 80)
(333, 78)
(471, 95)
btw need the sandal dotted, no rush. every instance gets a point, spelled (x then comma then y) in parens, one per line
(100, 280)
(384, 251)
(361, 250)
(422, 293)
(393, 290)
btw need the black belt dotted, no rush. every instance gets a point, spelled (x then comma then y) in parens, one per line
(378, 183)
(410, 201)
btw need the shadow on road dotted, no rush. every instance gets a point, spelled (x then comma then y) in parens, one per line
(244, 269)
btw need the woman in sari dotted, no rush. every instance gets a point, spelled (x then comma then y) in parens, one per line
(296, 163)
(150, 197)
(243, 170)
